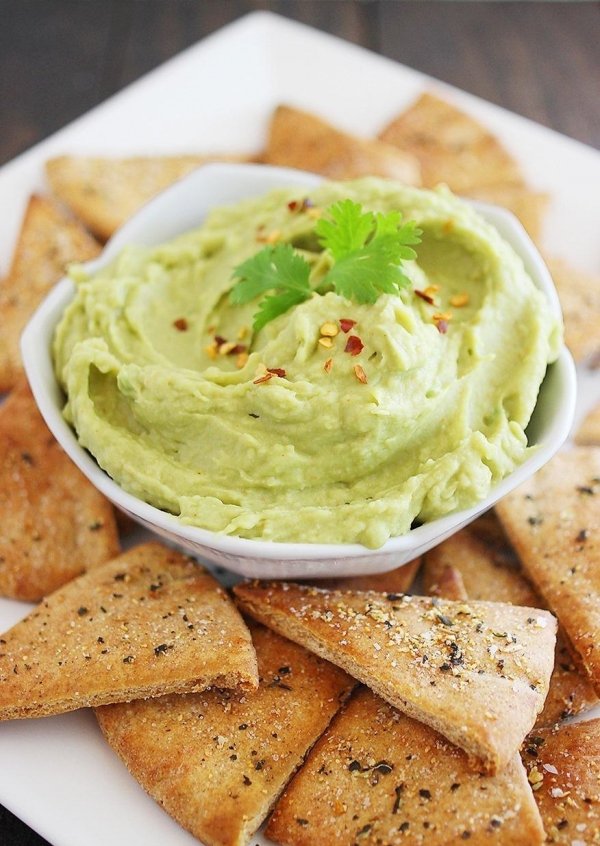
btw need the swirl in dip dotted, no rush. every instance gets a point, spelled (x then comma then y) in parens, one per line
(279, 435)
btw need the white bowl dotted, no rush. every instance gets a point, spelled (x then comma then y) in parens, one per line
(183, 207)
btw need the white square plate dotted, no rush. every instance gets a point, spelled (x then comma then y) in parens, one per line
(57, 773)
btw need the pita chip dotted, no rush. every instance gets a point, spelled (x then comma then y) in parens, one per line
(527, 205)
(398, 580)
(55, 524)
(105, 192)
(302, 140)
(451, 146)
(492, 572)
(563, 766)
(148, 623)
(478, 673)
(589, 432)
(553, 521)
(217, 761)
(579, 295)
(379, 777)
(49, 239)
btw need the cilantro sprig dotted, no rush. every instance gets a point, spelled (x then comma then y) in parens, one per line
(366, 248)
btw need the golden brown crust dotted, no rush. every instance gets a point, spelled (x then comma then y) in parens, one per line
(105, 192)
(217, 761)
(477, 673)
(303, 140)
(589, 432)
(55, 524)
(49, 239)
(553, 521)
(563, 766)
(451, 146)
(579, 295)
(148, 623)
(378, 777)
(488, 568)
(394, 581)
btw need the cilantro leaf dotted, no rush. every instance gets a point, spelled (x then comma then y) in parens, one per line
(278, 267)
(347, 230)
(272, 306)
(373, 270)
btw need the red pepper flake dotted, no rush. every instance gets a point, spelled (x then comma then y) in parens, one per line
(354, 345)
(307, 203)
(277, 371)
(181, 324)
(219, 341)
(328, 366)
(360, 374)
(346, 325)
(425, 297)
(264, 378)
(292, 205)
(237, 349)
(442, 326)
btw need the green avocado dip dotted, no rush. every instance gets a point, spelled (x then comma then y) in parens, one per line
(338, 421)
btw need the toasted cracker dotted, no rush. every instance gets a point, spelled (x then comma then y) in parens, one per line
(589, 431)
(451, 146)
(55, 524)
(437, 661)
(553, 521)
(563, 765)
(148, 623)
(527, 205)
(488, 569)
(49, 239)
(105, 192)
(579, 295)
(303, 140)
(217, 761)
(378, 777)
(394, 581)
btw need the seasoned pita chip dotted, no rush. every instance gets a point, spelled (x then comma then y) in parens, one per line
(55, 524)
(148, 623)
(553, 521)
(563, 766)
(394, 581)
(477, 673)
(217, 761)
(589, 433)
(302, 140)
(529, 206)
(451, 146)
(579, 295)
(378, 777)
(492, 572)
(105, 193)
(48, 241)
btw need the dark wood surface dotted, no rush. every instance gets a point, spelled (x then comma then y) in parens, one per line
(58, 58)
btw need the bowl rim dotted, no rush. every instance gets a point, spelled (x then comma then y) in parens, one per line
(40, 373)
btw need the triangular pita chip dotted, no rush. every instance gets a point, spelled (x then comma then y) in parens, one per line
(378, 777)
(528, 206)
(451, 146)
(302, 140)
(492, 572)
(563, 766)
(478, 673)
(589, 432)
(579, 295)
(48, 241)
(553, 521)
(217, 761)
(55, 524)
(394, 581)
(148, 623)
(105, 193)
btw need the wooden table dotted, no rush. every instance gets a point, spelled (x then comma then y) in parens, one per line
(58, 58)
